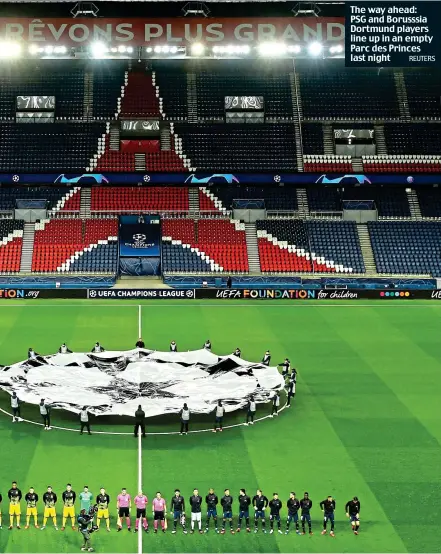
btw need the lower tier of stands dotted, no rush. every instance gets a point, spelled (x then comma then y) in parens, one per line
(407, 247)
(60, 243)
(220, 245)
(11, 241)
(221, 242)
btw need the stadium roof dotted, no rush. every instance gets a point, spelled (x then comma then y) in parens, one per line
(163, 8)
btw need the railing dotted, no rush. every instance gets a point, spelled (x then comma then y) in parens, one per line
(166, 214)
(285, 214)
(325, 215)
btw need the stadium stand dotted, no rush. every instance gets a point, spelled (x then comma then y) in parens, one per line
(312, 138)
(338, 242)
(309, 246)
(172, 82)
(405, 247)
(319, 163)
(239, 147)
(89, 95)
(139, 199)
(401, 164)
(278, 198)
(11, 233)
(58, 199)
(391, 202)
(140, 96)
(423, 93)
(59, 241)
(329, 91)
(108, 81)
(97, 258)
(413, 138)
(48, 147)
(323, 199)
(180, 257)
(64, 81)
(223, 241)
(216, 80)
(429, 199)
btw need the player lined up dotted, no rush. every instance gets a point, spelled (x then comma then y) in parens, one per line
(298, 510)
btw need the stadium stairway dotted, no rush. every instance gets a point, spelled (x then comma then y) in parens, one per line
(414, 204)
(27, 248)
(366, 248)
(252, 248)
(302, 201)
(193, 200)
(85, 202)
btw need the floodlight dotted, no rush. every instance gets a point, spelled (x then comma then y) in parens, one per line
(272, 49)
(197, 49)
(98, 49)
(315, 48)
(9, 49)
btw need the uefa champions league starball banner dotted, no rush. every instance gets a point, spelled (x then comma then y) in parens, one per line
(205, 179)
(116, 382)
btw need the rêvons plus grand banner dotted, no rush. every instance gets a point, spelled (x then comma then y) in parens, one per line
(173, 31)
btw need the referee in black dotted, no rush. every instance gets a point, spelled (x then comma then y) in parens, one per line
(140, 421)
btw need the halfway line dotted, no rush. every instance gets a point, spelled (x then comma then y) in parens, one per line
(140, 529)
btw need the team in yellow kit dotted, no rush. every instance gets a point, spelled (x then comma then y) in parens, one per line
(49, 500)
(15, 496)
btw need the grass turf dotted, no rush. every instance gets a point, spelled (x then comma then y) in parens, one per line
(365, 421)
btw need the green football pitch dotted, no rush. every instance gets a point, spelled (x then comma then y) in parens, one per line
(366, 421)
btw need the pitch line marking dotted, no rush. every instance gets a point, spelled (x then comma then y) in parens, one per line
(141, 528)
(195, 431)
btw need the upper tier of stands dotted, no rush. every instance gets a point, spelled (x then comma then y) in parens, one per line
(87, 89)
(43, 147)
(423, 138)
(423, 92)
(329, 91)
(239, 147)
(215, 81)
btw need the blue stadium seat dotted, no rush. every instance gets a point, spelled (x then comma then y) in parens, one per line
(407, 247)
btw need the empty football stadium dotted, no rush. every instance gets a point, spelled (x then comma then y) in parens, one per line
(220, 276)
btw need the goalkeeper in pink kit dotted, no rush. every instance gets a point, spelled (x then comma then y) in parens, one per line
(159, 511)
(123, 505)
(141, 502)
